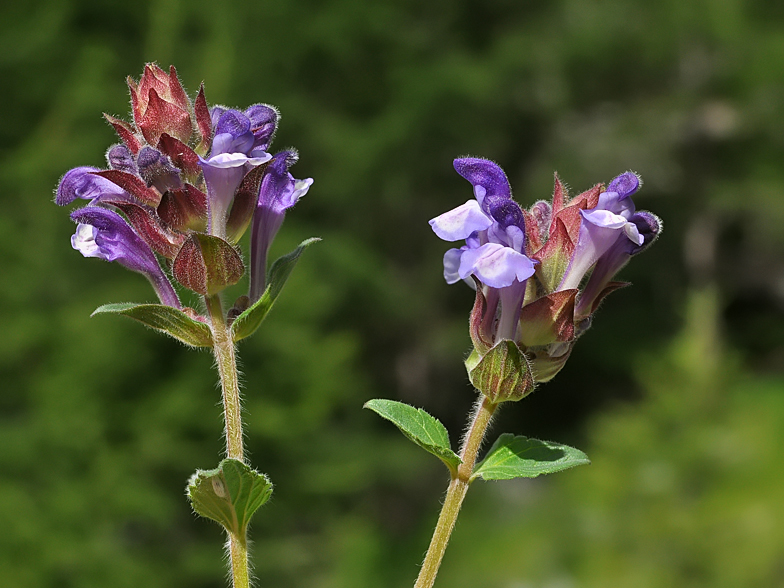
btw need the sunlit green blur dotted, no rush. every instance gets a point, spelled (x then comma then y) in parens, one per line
(676, 393)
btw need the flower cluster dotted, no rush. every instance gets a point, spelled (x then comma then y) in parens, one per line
(540, 273)
(182, 187)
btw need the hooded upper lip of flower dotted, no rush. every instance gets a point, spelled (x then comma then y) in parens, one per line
(492, 225)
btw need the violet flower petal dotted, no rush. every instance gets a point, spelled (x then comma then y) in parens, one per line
(232, 134)
(80, 182)
(625, 184)
(486, 177)
(263, 123)
(458, 223)
(452, 265)
(278, 192)
(495, 265)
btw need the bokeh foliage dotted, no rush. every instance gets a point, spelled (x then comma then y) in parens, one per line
(676, 394)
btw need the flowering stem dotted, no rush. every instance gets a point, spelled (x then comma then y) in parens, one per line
(223, 346)
(456, 493)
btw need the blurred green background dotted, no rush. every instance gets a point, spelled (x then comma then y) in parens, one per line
(676, 393)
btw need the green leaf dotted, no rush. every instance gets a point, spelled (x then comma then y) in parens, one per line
(250, 319)
(229, 494)
(423, 429)
(165, 319)
(521, 457)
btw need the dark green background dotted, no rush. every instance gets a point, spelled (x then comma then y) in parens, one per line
(677, 392)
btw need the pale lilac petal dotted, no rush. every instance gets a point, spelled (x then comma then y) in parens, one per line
(634, 235)
(460, 222)
(495, 265)
(452, 265)
(604, 218)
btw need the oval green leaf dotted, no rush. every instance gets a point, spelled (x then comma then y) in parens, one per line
(423, 429)
(165, 319)
(520, 457)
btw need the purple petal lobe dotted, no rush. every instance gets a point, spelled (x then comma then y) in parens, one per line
(263, 122)
(81, 183)
(232, 134)
(604, 218)
(495, 265)
(625, 185)
(452, 265)
(120, 157)
(484, 174)
(460, 222)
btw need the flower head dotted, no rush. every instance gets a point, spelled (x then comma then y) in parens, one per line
(528, 265)
(184, 179)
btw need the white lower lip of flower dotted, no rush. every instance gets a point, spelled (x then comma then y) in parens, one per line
(83, 240)
(224, 160)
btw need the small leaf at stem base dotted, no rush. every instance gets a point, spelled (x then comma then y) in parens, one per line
(423, 429)
(520, 457)
(229, 494)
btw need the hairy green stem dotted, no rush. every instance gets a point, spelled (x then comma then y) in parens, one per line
(456, 493)
(223, 346)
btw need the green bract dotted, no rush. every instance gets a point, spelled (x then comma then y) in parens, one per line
(229, 494)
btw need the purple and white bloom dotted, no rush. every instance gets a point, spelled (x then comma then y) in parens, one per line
(103, 233)
(493, 227)
(278, 192)
(601, 227)
(239, 145)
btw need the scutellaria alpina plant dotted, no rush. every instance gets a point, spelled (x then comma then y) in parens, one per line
(180, 190)
(539, 276)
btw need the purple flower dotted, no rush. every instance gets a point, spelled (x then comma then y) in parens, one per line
(223, 174)
(493, 227)
(239, 144)
(609, 222)
(104, 234)
(649, 227)
(278, 192)
(81, 182)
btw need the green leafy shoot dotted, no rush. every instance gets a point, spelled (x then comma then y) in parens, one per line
(423, 429)
(520, 457)
(250, 319)
(165, 319)
(229, 494)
